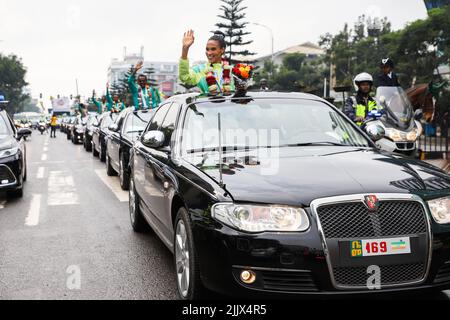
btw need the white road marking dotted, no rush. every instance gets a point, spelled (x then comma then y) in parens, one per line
(2, 204)
(61, 189)
(113, 184)
(44, 157)
(40, 173)
(32, 219)
(45, 149)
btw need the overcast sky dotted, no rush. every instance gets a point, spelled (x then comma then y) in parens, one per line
(60, 41)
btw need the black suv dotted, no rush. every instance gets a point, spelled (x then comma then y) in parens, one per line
(281, 194)
(122, 135)
(13, 169)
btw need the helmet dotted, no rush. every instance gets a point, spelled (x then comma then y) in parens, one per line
(362, 77)
(2, 99)
(387, 62)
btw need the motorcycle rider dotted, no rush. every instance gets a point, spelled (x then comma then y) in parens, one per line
(387, 78)
(264, 85)
(358, 107)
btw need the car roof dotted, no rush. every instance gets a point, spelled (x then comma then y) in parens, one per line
(197, 97)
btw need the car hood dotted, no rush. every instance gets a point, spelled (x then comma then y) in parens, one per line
(6, 142)
(299, 175)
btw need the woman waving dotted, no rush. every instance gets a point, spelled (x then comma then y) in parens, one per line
(213, 77)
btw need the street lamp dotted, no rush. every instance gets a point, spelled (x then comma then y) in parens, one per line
(271, 35)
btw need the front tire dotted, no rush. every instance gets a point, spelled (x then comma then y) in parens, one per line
(94, 151)
(102, 153)
(124, 176)
(137, 220)
(189, 284)
(109, 169)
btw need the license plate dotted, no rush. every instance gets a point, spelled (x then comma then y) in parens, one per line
(380, 247)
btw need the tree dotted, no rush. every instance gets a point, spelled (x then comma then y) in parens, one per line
(12, 82)
(233, 27)
(298, 73)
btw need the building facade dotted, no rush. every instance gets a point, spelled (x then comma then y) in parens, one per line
(165, 73)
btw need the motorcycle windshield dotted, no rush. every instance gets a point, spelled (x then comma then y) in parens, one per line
(396, 104)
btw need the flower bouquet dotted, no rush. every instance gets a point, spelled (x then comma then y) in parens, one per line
(242, 74)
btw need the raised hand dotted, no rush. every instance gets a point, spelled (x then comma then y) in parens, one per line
(188, 39)
(138, 66)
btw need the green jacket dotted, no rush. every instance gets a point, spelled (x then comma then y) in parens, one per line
(151, 95)
(110, 104)
(98, 104)
(196, 76)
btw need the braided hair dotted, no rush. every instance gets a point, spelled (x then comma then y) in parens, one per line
(219, 36)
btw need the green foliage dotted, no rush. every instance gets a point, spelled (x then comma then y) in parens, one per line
(414, 48)
(12, 82)
(297, 73)
(233, 27)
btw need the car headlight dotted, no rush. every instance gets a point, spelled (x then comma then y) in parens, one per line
(412, 136)
(440, 210)
(252, 218)
(9, 152)
(395, 135)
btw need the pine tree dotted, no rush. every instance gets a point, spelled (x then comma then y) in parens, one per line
(234, 28)
(151, 82)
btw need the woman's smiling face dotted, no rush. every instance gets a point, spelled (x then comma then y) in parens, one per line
(214, 52)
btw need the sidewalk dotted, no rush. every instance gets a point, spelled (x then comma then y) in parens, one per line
(441, 163)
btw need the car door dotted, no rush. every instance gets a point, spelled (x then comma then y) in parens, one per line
(158, 168)
(141, 174)
(115, 140)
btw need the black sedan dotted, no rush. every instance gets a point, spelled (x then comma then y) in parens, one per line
(288, 197)
(101, 130)
(77, 129)
(13, 169)
(123, 133)
(91, 122)
(69, 127)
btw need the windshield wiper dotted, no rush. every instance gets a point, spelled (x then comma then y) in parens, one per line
(308, 144)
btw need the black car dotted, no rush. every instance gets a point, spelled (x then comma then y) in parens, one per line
(123, 133)
(69, 127)
(13, 168)
(91, 121)
(77, 129)
(100, 132)
(288, 197)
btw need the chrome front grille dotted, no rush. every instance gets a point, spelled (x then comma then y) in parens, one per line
(354, 221)
(345, 219)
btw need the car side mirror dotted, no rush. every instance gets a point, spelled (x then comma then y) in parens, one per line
(153, 139)
(418, 115)
(114, 127)
(23, 132)
(375, 132)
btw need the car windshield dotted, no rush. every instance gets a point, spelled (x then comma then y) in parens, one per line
(136, 123)
(267, 123)
(396, 101)
(4, 127)
(109, 119)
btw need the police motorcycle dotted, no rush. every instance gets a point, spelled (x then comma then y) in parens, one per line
(395, 127)
(42, 127)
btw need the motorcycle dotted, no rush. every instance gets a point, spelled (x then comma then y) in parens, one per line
(42, 127)
(399, 127)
